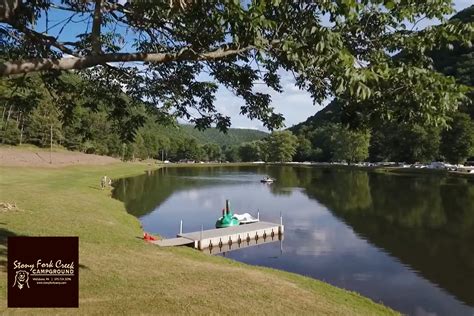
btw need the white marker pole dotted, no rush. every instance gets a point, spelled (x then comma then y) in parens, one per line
(200, 239)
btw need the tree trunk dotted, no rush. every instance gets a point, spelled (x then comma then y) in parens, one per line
(21, 132)
(96, 24)
(7, 9)
(40, 64)
(9, 113)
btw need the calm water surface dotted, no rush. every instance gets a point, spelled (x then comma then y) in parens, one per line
(404, 240)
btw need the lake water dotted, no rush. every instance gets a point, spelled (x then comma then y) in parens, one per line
(404, 240)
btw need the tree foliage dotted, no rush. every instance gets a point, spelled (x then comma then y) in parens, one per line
(231, 154)
(304, 150)
(250, 151)
(104, 122)
(405, 139)
(44, 124)
(233, 136)
(281, 146)
(351, 146)
(335, 142)
(212, 152)
(10, 133)
(240, 43)
(404, 142)
(458, 142)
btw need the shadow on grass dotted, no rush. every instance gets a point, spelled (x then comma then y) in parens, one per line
(4, 234)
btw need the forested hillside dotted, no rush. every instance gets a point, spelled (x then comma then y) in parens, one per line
(90, 111)
(41, 109)
(234, 136)
(399, 141)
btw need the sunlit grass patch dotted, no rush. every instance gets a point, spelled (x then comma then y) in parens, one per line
(120, 273)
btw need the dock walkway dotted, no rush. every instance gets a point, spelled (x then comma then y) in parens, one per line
(224, 236)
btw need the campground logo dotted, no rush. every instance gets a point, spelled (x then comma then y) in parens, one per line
(43, 272)
(21, 279)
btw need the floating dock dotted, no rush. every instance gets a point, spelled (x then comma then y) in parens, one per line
(227, 247)
(226, 236)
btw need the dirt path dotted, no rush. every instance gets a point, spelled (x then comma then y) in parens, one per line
(35, 157)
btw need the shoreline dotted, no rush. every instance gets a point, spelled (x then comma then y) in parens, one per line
(123, 273)
(36, 157)
(379, 169)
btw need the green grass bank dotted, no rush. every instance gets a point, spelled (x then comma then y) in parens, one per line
(121, 274)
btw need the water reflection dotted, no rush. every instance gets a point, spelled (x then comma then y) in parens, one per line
(401, 239)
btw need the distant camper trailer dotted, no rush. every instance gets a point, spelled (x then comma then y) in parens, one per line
(186, 161)
(437, 165)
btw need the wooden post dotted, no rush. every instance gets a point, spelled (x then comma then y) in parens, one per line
(51, 144)
(181, 227)
(21, 133)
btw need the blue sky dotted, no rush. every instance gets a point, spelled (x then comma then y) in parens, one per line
(294, 104)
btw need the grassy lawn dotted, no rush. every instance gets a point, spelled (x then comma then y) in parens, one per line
(121, 274)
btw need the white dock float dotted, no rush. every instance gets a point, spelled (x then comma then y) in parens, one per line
(225, 236)
(244, 244)
(172, 242)
(234, 234)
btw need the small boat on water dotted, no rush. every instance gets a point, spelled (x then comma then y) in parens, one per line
(267, 180)
(229, 219)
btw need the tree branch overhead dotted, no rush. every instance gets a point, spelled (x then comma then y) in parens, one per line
(351, 59)
(69, 63)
